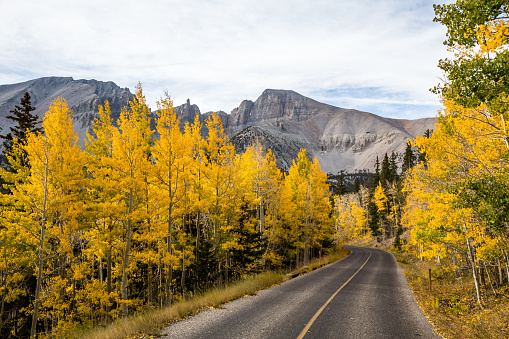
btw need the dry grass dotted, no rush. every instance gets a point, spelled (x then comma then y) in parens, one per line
(317, 263)
(149, 324)
(452, 306)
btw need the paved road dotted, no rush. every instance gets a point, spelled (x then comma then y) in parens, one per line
(364, 295)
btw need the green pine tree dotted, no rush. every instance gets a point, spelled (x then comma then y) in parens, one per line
(376, 178)
(385, 175)
(408, 159)
(393, 168)
(26, 122)
(356, 185)
(341, 186)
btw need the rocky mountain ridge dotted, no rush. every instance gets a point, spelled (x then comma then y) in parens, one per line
(341, 139)
(282, 120)
(83, 98)
(187, 113)
(273, 105)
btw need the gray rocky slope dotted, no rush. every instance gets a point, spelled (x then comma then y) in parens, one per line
(341, 139)
(82, 96)
(284, 121)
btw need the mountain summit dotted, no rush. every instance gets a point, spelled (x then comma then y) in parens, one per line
(276, 104)
(341, 139)
(282, 120)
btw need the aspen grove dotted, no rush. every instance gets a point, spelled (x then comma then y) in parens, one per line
(453, 200)
(142, 218)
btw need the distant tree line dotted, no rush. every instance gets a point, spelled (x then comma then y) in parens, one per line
(372, 203)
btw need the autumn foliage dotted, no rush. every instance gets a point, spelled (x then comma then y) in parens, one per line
(143, 217)
(458, 204)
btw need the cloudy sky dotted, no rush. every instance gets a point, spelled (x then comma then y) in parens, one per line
(379, 56)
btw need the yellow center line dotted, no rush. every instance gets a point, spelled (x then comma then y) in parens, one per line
(308, 326)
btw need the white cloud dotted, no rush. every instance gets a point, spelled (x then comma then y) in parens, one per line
(218, 53)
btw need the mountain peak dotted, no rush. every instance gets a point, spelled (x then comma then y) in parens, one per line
(279, 92)
(282, 94)
(276, 104)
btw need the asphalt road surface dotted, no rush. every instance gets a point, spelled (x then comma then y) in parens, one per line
(365, 295)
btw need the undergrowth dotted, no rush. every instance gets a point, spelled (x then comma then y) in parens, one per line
(150, 323)
(451, 305)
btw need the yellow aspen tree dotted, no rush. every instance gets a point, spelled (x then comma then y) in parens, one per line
(350, 217)
(188, 209)
(251, 168)
(67, 181)
(130, 162)
(466, 164)
(344, 219)
(393, 213)
(381, 205)
(468, 150)
(296, 205)
(237, 217)
(16, 241)
(197, 201)
(15, 261)
(271, 193)
(171, 155)
(151, 234)
(105, 212)
(306, 202)
(321, 222)
(218, 172)
(359, 215)
(45, 201)
(258, 186)
(438, 226)
(258, 170)
(364, 197)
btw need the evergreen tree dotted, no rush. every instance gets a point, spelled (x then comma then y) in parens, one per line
(341, 186)
(408, 158)
(245, 255)
(372, 210)
(205, 270)
(376, 179)
(373, 217)
(393, 167)
(26, 121)
(385, 171)
(356, 185)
